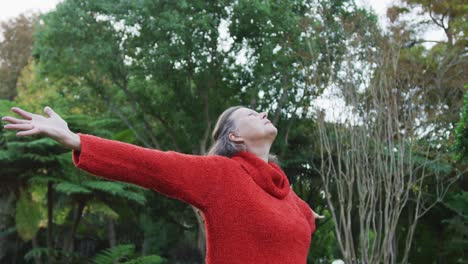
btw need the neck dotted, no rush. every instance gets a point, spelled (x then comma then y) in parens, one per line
(262, 151)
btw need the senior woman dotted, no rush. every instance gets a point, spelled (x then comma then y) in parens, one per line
(251, 214)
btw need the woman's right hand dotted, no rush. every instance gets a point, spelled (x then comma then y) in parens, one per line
(52, 126)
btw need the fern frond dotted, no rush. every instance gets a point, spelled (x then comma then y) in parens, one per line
(116, 189)
(105, 122)
(35, 252)
(99, 207)
(38, 158)
(151, 259)
(41, 251)
(70, 188)
(118, 252)
(42, 179)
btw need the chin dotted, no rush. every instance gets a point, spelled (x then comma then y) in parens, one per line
(272, 131)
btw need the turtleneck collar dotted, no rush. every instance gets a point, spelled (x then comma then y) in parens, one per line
(268, 176)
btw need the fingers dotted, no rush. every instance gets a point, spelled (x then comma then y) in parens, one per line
(26, 129)
(319, 216)
(14, 120)
(22, 113)
(49, 112)
(28, 132)
(19, 127)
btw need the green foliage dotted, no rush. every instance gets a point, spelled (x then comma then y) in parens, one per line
(101, 209)
(42, 253)
(152, 73)
(147, 260)
(457, 227)
(70, 188)
(124, 254)
(15, 51)
(461, 145)
(324, 247)
(116, 189)
(28, 217)
(109, 255)
(5, 106)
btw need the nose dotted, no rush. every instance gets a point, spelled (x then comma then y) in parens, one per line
(264, 115)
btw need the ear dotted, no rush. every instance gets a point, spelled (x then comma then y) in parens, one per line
(235, 138)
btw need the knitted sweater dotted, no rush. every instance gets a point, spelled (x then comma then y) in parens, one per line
(251, 214)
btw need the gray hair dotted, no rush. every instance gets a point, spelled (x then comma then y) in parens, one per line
(223, 146)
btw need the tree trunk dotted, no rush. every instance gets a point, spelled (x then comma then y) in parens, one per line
(50, 214)
(6, 211)
(111, 235)
(145, 244)
(77, 212)
(201, 243)
(35, 244)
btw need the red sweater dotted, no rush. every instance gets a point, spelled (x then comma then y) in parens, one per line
(251, 213)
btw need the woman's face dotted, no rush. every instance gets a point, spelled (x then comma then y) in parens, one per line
(252, 126)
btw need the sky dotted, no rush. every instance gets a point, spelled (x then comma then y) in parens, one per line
(10, 9)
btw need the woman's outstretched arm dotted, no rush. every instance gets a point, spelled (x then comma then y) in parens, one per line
(194, 179)
(51, 125)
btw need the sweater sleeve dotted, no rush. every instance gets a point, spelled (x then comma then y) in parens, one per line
(190, 178)
(307, 211)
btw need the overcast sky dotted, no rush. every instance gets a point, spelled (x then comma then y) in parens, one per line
(10, 9)
(16, 7)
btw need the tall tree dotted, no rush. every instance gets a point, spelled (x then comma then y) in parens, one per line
(389, 160)
(15, 51)
(376, 169)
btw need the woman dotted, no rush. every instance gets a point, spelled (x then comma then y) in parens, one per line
(251, 214)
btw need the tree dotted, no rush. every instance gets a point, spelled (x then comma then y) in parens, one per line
(375, 166)
(46, 183)
(436, 83)
(450, 16)
(437, 74)
(15, 51)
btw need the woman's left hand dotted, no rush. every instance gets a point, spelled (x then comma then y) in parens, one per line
(317, 216)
